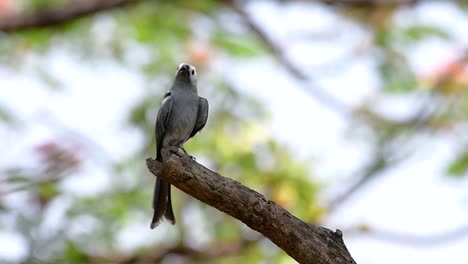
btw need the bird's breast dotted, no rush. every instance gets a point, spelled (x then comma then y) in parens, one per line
(182, 118)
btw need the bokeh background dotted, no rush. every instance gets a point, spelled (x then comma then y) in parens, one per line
(350, 114)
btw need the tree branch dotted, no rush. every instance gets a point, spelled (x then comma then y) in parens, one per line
(371, 2)
(58, 15)
(206, 254)
(78, 8)
(420, 120)
(304, 242)
(370, 172)
(408, 238)
(321, 96)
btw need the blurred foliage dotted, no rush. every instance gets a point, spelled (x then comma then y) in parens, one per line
(459, 166)
(235, 142)
(6, 116)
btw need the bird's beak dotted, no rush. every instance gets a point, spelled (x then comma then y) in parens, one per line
(183, 68)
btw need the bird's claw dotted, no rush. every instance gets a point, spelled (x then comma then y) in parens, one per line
(180, 152)
(176, 151)
(190, 156)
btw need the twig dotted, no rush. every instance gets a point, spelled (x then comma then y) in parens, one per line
(206, 253)
(422, 117)
(410, 239)
(209, 253)
(304, 242)
(310, 87)
(28, 186)
(371, 2)
(369, 173)
(58, 15)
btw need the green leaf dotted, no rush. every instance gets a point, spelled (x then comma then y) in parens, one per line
(459, 167)
(421, 32)
(237, 45)
(397, 76)
(73, 254)
(18, 179)
(202, 6)
(48, 190)
(38, 5)
(382, 38)
(36, 38)
(6, 116)
(162, 25)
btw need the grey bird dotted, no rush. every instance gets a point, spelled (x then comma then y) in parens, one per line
(182, 114)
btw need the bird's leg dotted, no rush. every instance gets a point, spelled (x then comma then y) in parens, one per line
(176, 150)
(192, 157)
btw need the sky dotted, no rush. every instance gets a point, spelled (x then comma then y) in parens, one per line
(413, 198)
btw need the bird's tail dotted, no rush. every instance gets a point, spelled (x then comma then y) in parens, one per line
(162, 204)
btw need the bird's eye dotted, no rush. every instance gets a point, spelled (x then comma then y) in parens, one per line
(193, 72)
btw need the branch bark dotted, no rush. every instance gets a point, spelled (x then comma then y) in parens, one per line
(58, 15)
(78, 8)
(304, 242)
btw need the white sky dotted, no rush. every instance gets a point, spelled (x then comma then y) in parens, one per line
(414, 198)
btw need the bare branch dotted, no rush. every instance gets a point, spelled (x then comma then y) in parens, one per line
(311, 88)
(370, 2)
(58, 15)
(377, 166)
(304, 242)
(206, 254)
(410, 239)
(419, 121)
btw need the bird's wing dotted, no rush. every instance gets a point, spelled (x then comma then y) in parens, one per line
(202, 115)
(161, 122)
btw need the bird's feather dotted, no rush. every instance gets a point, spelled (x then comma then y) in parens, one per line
(161, 122)
(202, 116)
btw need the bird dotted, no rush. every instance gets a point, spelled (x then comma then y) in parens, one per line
(182, 115)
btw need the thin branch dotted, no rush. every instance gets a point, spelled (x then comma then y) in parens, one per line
(279, 53)
(304, 242)
(383, 159)
(320, 95)
(410, 239)
(29, 185)
(377, 165)
(78, 8)
(58, 15)
(419, 121)
(71, 135)
(371, 2)
(214, 251)
(208, 253)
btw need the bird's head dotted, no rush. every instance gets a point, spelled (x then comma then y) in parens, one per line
(187, 73)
